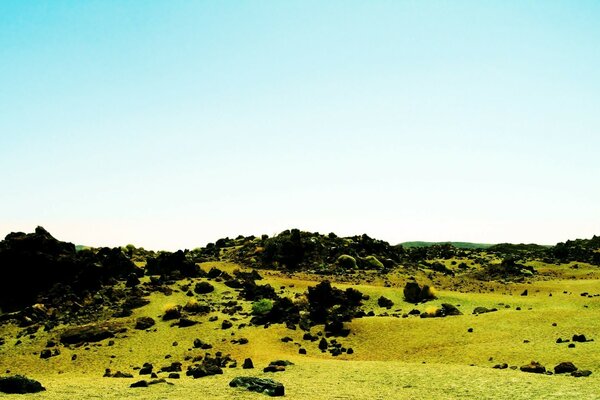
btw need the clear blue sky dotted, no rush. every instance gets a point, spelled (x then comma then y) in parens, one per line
(171, 124)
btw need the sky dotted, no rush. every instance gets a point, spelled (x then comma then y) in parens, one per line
(170, 124)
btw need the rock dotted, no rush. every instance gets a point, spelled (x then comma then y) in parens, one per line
(144, 323)
(525, 293)
(385, 302)
(483, 310)
(350, 350)
(301, 350)
(19, 384)
(449, 309)
(226, 324)
(174, 367)
(579, 338)
(582, 373)
(146, 369)
(139, 384)
(172, 313)
(248, 364)
(323, 344)
(46, 353)
(412, 292)
(120, 374)
(203, 288)
(565, 367)
(283, 363)
(243, 341)
(534, 367)
(274, 368)
(286, 339)
(266, 386)
(185, 322)
(501, 366)
(89, 333)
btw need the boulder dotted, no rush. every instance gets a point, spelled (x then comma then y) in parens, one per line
(266, 386)
(19, 384)
(534, 367)
(89, 333)
(565, 367)
(449, 309)
(483, 310)
(582, 373)
(385, 302)
(203, 288)
(144, 323)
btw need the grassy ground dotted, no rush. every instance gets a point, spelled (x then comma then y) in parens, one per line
(395, 357)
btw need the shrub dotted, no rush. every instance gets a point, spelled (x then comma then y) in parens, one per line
(346, 262)
(262, 306)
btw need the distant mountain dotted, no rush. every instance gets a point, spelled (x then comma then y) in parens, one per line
(458, 245)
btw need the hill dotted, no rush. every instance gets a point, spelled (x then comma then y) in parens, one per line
(458, 245)
(317, 313)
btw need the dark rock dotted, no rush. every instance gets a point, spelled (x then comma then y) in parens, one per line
(243, 341)
(534, 367)
(185, 322)
(19, 384)
(174, 375)
(525, 293)
(46, 353)
(226, 324)
(283, 363)
(248, 364)
(172, 313)
(120, 374)
(274, 368)
(350, 350)
(483, 310)
(301, 350)
(384, 302)
(139, 384)
(565, 367)
(582, 373)
(579, 338)
(501, 366)
(449, 309)
(144, 323)
(89, 333)
(203, 288)
(323, 344)
(260, 385)
(174, 367)
(146, 369)
(286, 339)
(414, 293)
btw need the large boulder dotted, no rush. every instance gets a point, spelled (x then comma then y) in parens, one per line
(19, 384)
(565, 367)
(260, 385)
(414, 293)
